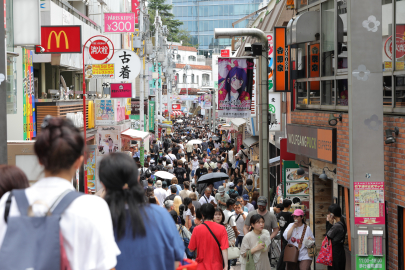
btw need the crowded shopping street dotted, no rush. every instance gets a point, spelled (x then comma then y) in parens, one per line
(202, 135)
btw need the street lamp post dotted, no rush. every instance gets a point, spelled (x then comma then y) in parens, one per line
(264, 99)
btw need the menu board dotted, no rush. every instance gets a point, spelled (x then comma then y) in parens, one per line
(369, 203)
(297, 188)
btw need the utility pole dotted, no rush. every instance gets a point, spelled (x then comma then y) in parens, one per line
(214, 110)
(156, 70)
(3, 95)
(141, 79)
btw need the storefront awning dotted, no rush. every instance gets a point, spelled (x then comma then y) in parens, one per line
(135, 135)
(251, 141)
(237, 122)
(274, 161)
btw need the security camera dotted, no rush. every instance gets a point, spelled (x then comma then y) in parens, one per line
(390, 138)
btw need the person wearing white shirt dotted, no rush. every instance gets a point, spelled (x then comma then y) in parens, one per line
(229, 217)
(160, 193)
(240, 217)
(84, 230)
(195, 163)
(207, 198)
(171, 156)
(248, 205)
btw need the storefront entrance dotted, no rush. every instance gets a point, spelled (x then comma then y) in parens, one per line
(322, 199)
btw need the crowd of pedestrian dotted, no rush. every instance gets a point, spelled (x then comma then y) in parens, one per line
(145, 220)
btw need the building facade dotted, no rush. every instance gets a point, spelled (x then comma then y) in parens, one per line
(200, 18)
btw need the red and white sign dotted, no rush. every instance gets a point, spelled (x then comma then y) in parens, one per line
(121, 90)
(135, 9)
(400, 43)
(60, 39)
(99, 49)
(225, 53)
(270, 40)
(176, 107)
(119, 22)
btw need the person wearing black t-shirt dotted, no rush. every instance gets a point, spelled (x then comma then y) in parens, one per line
(180, 173)
(284, 219)
(200, 171)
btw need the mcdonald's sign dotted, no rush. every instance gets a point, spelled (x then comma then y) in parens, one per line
(61, 39)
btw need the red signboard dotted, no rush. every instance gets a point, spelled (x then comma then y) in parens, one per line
(135, 8)
(121, 90)
(400, 43)
(61, 39)
(225, 53)
(280, 74)
(99, 49)
(176, 107)
(239, 139)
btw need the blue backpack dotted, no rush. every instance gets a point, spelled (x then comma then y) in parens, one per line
(34, 242)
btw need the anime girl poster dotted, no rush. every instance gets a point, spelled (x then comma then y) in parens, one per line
(235, 83)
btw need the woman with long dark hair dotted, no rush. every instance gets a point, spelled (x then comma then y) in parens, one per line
(141, 230)
(12, 177)
(219, 217)
(336, 232)
(85, 225)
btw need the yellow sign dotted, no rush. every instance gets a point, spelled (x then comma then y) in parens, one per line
(99, 71)
(387, 65)
(399, 65)
(168, 129)
(57, 37)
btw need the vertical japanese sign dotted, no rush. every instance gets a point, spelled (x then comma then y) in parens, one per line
(126, 64)
(91, 167)
(369, 204)
(29, 119)
(135, 9)
(271, 46)
(151, 112)
(239, 140)
(275, 108)
(235, 83)
(280, 74)
(314, 65)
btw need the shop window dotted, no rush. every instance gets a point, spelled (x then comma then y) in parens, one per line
(400, 91)
(302, 94)
(400, 35)
(342, 92)
(328, 92)
(299, 61)
(328, 38)
(314, 93)
(191, 58)
(302, 3)
(387, 91)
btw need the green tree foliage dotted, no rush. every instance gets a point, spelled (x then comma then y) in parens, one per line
(167, 19)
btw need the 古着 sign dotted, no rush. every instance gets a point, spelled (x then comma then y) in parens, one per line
(127, 65)
(314, 142)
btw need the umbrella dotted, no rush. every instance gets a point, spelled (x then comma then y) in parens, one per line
(213, 177)
(179, 121)
(188, 128)
(164, 175)
(215, 138)
(200, 127)
(195, 142)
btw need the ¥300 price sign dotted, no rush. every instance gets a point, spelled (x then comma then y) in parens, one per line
(119, 22)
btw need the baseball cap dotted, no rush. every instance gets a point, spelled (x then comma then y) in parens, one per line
(158, 183)
(221, 189)
(261, 201)
(245, 197)
(298, 212)
(231, 184)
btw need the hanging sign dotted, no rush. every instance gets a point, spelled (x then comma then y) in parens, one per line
(225, 53)
(99, 49)
(275, 108)
(176, 107)
(99, 71)
(119, 22)
(135, 9)
(127, 65)
(121, 90)
(60, 39)
(280, 74)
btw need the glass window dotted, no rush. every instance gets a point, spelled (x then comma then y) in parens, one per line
(387, 91)
(206, 11)
(328, 40)
(216, 10)
(211, 25)
(328, 92)
(11, 85)
(197, 80)
(302, 97)
(206, 26)
(216, 24)
(231, 11)
(184, 78)
(201, 26)
(400, 35)
(177, 77)
(220, 24)
(314, 93)
(298, 61)
(400, 91)
(211, 11)
(342, 93)
(192, 78)
(301, 3)
(313, 60)
(184, 10)
(206, 40)
(226, 10)
(201, 11)
(220, 10)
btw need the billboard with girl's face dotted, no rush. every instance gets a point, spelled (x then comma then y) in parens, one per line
(235, 82)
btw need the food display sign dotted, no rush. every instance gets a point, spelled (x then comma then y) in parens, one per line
(99, 71)
(369, 203)
(294, 189)
(294, 184)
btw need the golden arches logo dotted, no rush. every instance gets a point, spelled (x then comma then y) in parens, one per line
(57, 37)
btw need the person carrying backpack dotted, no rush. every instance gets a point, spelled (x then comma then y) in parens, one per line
(49, 225)
(180, 173)
(249, 189)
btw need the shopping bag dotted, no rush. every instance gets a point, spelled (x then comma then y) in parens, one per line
(325, 254)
